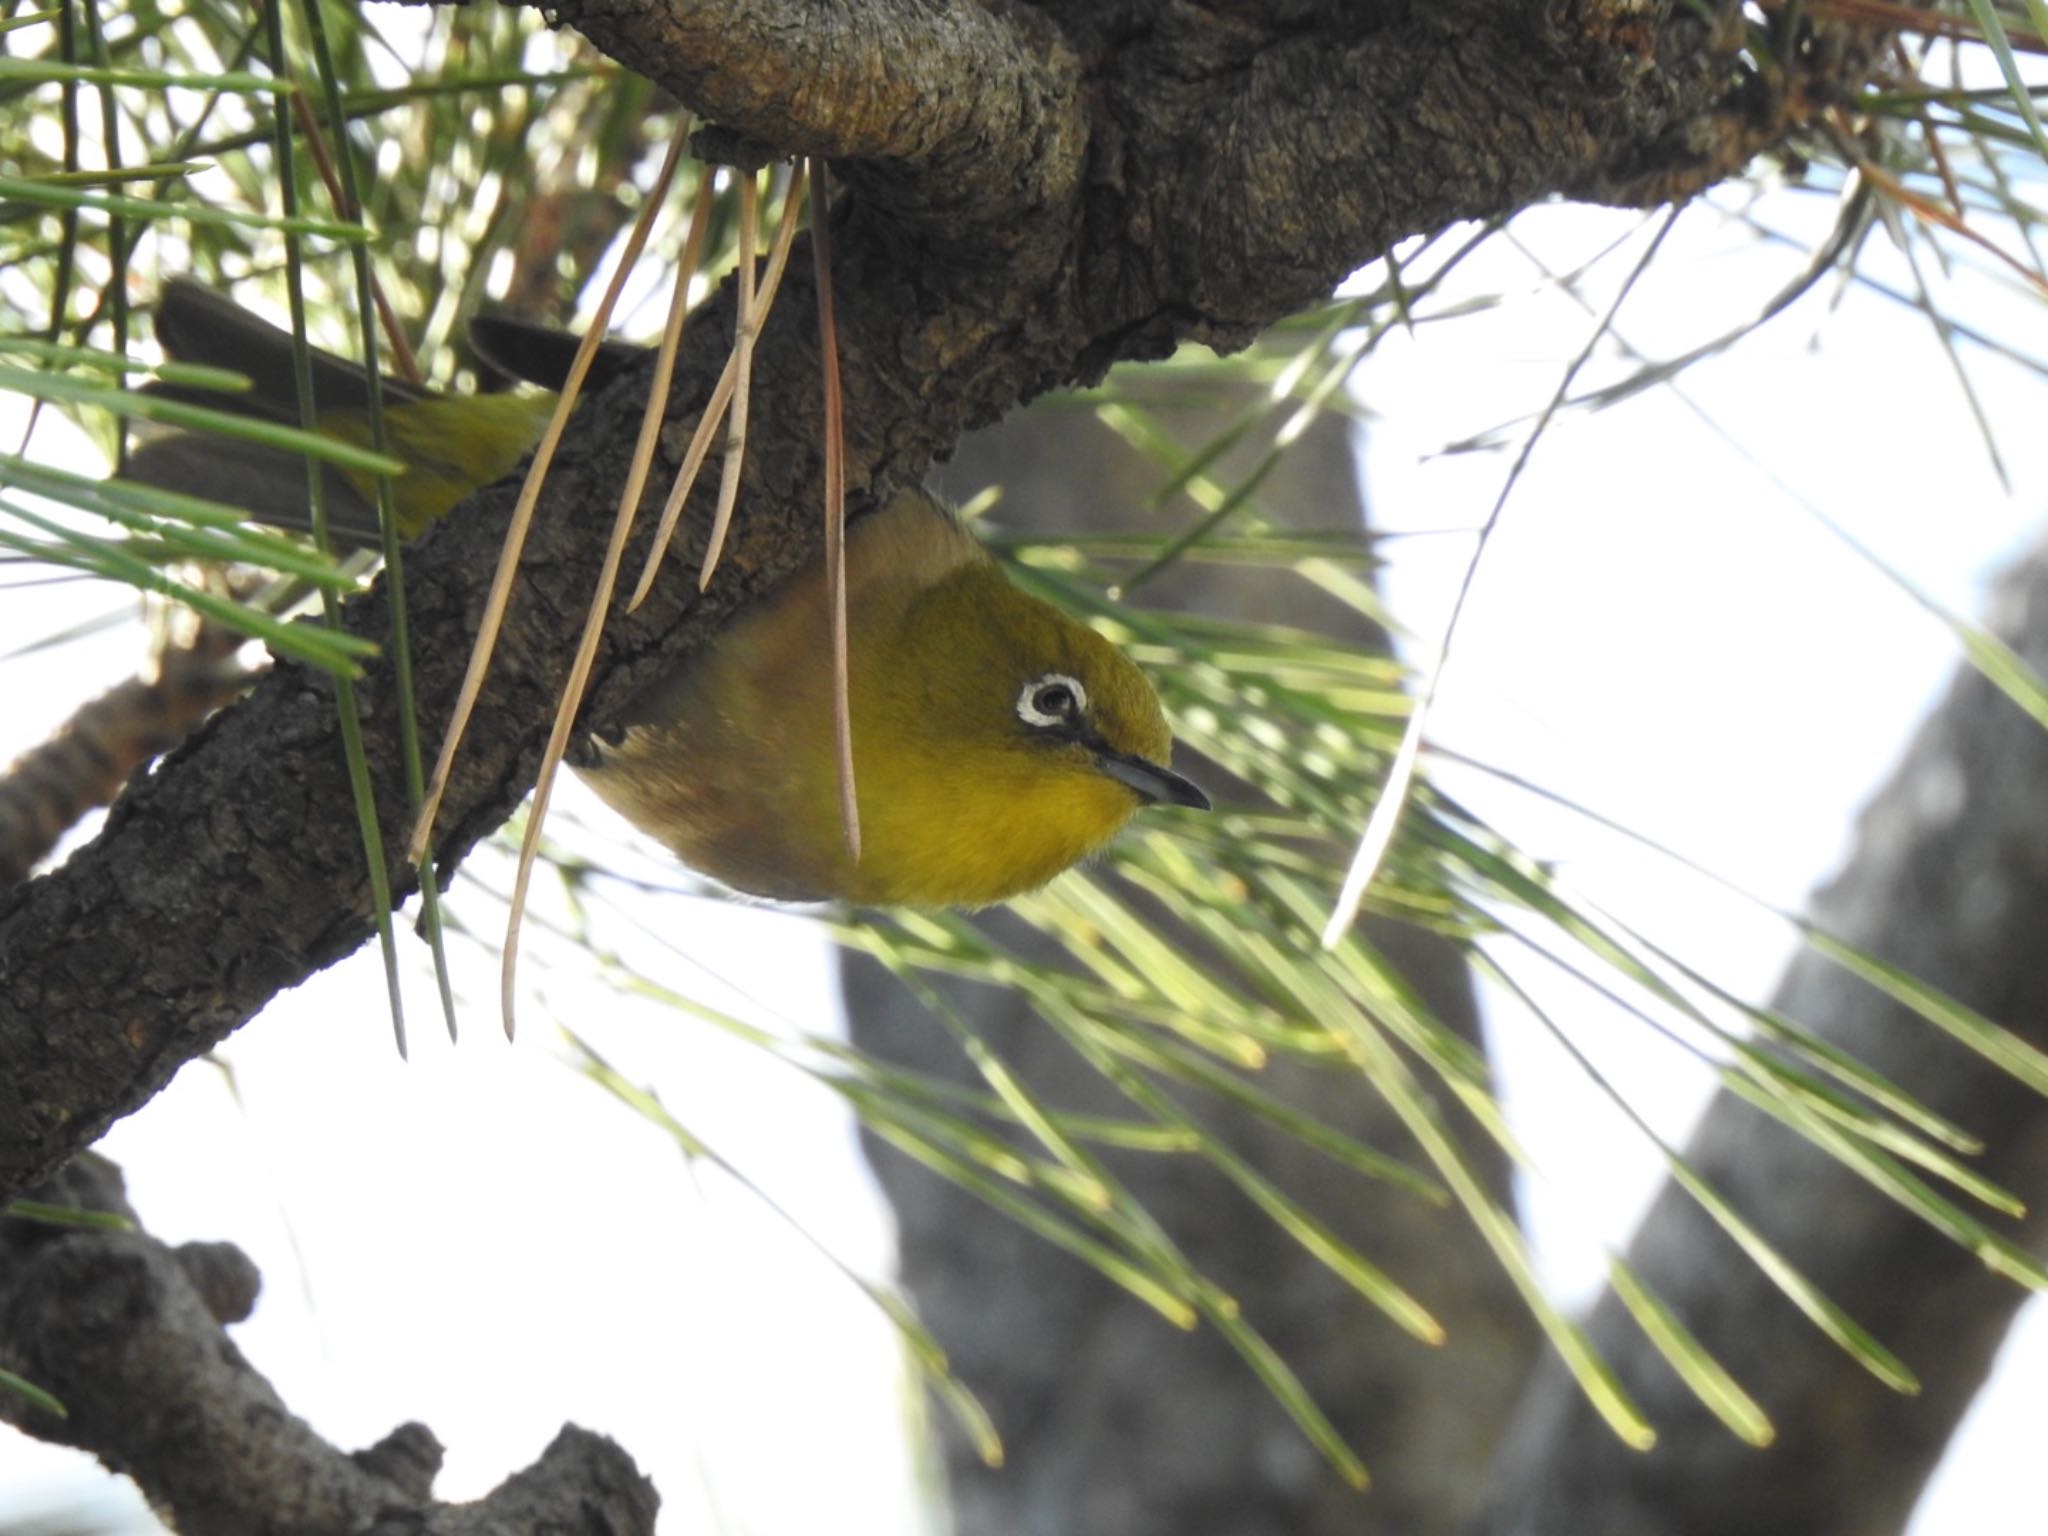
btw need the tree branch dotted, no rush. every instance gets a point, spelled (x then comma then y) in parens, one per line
(921, 97)
(234, 869)
(1166, 174)
(127, 1333)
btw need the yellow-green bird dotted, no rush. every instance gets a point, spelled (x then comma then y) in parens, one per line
(996, 740)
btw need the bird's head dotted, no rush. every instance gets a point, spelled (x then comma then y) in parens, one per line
(1096, 713)
(1034, 698)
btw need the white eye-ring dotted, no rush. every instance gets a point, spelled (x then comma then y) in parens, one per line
(1052, 700)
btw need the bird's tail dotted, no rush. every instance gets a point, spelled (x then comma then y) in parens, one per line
(451, 444)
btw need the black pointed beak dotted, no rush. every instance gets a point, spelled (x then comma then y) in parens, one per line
(1160, 786)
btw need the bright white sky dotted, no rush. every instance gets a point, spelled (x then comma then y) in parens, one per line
(482, 1240)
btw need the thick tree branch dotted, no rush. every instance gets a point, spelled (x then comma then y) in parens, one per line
(127, 1334)
(1199, 171)
(1949, 881)
(233, 872)
(1170, 172)
(920, 98)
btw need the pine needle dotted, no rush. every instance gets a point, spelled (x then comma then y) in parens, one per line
(715, 407)
(835, 509)
(607, 583)
(744, 330)
(1386, 812)
(529, 496)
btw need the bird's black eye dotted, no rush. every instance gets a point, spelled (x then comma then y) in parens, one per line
(1052, 700)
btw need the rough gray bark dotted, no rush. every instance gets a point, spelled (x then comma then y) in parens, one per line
(127, 1333)
(1950, 881)
(1116, 1424)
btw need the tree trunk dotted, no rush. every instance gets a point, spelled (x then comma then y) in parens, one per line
(1950, 882)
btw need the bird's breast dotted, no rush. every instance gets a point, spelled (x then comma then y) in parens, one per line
(933, 833)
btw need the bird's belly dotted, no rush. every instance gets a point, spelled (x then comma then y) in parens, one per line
(774, 830)
(736, 828)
